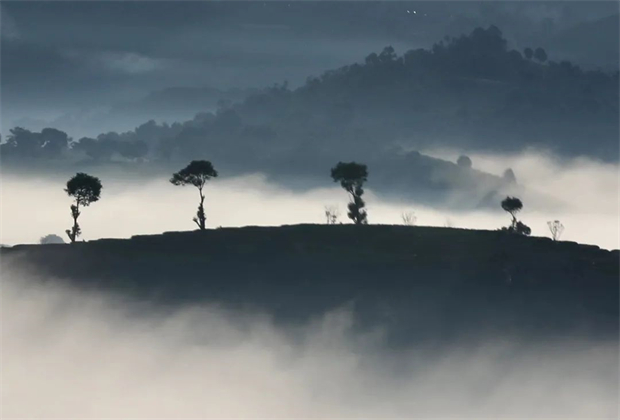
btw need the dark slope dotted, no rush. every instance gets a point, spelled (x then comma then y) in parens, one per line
(418, 282)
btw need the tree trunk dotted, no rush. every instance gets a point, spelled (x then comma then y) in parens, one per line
(74, 232)
(201, 213)
(200, 218)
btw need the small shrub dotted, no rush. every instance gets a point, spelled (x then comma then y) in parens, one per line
(409, 218)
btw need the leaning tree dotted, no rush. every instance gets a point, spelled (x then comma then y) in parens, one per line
(197, 173)
(86, 189)
(352, 176)
(512, 205)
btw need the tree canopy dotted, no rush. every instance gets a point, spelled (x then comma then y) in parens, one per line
(86, 189)
(352, 176)
(50, 143)
(197, 173)
(464, 161)
(540, 55)
(512, 205)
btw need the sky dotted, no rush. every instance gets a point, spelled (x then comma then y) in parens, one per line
(62, 58)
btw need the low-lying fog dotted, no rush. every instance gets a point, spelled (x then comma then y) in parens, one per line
(69, 354)
(586, 190)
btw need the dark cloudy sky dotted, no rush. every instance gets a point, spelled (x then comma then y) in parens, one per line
(60, 57)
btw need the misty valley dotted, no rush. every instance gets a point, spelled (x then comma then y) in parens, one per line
(310, 209)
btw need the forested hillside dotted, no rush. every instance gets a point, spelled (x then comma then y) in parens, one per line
(469, 92)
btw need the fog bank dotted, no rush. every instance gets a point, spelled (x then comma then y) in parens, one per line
(582, 194)
(70, 354)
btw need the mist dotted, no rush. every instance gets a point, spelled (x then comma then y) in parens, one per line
(581, 193)
(448, 107)
(76, 354)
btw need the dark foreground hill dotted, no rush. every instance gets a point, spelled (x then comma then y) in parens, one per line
(417, 282)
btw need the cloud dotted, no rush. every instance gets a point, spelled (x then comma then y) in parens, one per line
(582, 184)
(128, 62)
(71, 354)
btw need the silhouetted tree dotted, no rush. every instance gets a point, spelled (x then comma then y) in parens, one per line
(86, 189)
(522, 229)
(352, 177)
(54, 142)
(372, 59)
(100, 149)
(512, 205)
(133, 149)
(387, 55)
(540, 55)
(528, 53)
(464, 161)
(556, 228)
(197, 173)
(49, 143)
(21, 142)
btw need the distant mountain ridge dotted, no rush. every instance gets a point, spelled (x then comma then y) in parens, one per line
(469, 93)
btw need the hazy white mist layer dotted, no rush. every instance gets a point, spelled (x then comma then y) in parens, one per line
(584, 194)
(74, 355)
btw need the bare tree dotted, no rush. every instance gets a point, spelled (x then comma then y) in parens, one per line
(331, 215)
(556, 228)
(409, 218)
